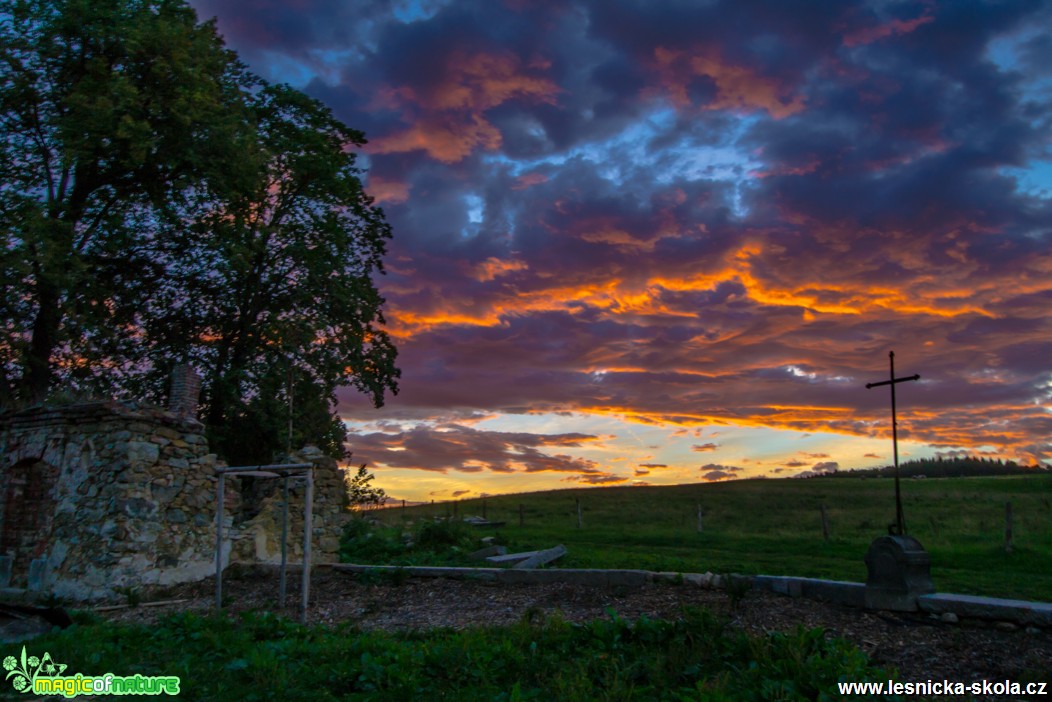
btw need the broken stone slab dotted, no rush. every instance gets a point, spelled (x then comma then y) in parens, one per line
(511, 557)
(481, 522)
(488, 552)
(541, 558)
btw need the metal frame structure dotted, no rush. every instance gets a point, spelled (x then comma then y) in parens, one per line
(286, 471)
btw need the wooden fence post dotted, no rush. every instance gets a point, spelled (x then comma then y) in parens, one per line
(700, 513)
(1008, 527)
(578, 512)
(520, 514)
(825, 523)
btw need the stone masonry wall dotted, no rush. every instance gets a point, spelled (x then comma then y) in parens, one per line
(124, 496)
(259, 540)
(107, 495)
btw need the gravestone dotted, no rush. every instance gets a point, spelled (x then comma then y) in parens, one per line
(899, 571)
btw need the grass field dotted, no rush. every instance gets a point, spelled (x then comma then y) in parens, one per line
(775, 527)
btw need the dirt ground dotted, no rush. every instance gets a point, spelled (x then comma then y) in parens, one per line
(921, 647)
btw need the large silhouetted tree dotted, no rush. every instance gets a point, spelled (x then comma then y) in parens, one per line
(272, 289)
(159, 204)
(109, 109)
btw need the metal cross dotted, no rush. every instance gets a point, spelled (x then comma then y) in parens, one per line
(900, 522)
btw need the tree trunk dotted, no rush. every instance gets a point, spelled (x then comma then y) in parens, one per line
(36, 374)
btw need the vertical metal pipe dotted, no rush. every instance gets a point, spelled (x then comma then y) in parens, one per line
(284, 541)
(219, 542)
(308, 518)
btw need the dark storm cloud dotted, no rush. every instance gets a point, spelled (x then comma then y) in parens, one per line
(696, 213)
(465, 449)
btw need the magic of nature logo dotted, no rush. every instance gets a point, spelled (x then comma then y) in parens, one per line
(43, 676)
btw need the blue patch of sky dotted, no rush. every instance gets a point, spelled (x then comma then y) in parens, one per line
(475, 209)
(621, 158)
(408, 11)
(1034, 180)
(324, 64)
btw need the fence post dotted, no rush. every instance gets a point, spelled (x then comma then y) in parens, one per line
(578, 512)
(825, 523)
(520, 514)
(700, 513)
(1008, 527)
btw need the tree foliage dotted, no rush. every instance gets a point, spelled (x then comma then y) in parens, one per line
(270, 289)
(159, 204)
(109, 110)
(361, 492)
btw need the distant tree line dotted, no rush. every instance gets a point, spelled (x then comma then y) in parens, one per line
(159, 205)
(940, 467)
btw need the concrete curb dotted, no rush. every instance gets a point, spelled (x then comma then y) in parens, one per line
(1017, 611)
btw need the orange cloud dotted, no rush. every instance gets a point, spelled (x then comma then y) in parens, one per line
(446, 138)
(894, 28)
(450, 122)
(493, 268)
(528, 180)
(738, 88)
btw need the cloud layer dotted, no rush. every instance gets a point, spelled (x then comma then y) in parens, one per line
(689, 214)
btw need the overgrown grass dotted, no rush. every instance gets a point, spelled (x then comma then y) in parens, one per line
(263, 657)
(427, 542)
(774, 527)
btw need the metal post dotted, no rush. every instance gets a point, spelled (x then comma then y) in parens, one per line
(1008, 527)
(308, 519)
(219, 543)
(900, 520)
(284, 542)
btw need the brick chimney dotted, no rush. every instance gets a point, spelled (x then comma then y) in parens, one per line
(185, 392)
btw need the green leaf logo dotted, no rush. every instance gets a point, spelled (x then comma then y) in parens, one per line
(25, 669)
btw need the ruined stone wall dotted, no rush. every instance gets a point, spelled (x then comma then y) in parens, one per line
(120, 496)
(259, 539)
(101, 496)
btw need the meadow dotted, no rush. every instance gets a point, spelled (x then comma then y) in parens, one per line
(775, 527)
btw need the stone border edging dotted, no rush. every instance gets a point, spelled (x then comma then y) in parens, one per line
(852, 594)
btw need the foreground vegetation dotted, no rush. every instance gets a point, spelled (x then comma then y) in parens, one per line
(262, 656)
(760, 526)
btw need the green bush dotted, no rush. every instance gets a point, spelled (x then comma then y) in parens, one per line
(442, 535)
(365, 542)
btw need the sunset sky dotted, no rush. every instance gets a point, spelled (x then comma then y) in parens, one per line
(669, 242)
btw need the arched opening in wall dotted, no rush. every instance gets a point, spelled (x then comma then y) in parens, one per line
(29, 509)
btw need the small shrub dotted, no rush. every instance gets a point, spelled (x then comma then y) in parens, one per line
(441, 535)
